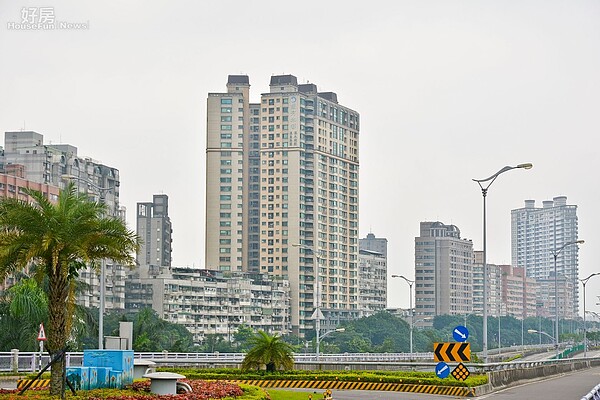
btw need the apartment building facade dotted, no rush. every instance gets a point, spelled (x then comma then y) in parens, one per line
(282, 193)
(539, 232)
(26, 155)
(211, 302)
(155, 229)
(372, 286)
(443, 272)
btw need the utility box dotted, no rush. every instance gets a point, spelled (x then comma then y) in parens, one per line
(120, 361)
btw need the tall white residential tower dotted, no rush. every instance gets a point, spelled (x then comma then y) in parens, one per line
(283, 172)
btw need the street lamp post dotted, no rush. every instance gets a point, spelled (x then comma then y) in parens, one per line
(555, 253)
(317, 295)
(541, 333)
(484, 190)
(102, 306)
(320, 339)
(465, 318)
(412, 313)
(584, 282)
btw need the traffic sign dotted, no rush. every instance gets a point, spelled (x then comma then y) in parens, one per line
(41, 333)
(460, 333)
(461, 372)
(452, 352)
(442, 370)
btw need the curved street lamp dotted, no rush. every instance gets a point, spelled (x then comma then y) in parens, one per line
(320, 339)
(484, 190)
(555, 253)
(412, 313)
(542, 333)
(584, 281)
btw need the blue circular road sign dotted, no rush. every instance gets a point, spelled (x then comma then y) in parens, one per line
(460, 333)
(442, 370)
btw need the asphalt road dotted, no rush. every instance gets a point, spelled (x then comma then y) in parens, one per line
(568, 386)
(562, 387)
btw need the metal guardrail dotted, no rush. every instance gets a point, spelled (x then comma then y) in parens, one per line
(29, 361)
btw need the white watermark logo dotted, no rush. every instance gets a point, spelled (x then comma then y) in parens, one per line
(43, 19)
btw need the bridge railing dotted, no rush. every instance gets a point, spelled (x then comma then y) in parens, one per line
(29, 361)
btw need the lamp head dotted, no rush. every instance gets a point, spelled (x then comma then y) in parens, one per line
(531, 331)
(525, 166)
(340, 330)
(580, 242)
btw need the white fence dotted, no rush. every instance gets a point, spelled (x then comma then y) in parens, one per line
(30, 362)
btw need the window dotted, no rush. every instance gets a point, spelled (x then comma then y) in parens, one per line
(226, 118)
(226, 101)
(225, 109)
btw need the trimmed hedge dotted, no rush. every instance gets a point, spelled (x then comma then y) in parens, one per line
(406, 377)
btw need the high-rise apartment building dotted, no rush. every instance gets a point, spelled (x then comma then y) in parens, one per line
(154, 228)
(372, 287)
(26, 156)
(372, 275)
(494, 287)
(443, 272)
(536, 233)
(518, 293)
(284, 172)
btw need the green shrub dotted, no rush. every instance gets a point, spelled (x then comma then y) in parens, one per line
(406, 377)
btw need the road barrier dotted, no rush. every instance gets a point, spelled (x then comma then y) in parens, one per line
(379, 386)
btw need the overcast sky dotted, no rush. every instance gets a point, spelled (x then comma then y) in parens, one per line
(447, 91)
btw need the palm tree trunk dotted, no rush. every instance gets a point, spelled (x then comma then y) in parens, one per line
(57, 329)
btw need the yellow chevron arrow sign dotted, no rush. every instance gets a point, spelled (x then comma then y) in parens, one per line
(452, 352)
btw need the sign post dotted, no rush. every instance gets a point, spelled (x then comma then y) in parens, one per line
(41, 338)
(453, 352)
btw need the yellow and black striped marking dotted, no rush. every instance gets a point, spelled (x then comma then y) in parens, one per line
(37, 384)
(391, 387)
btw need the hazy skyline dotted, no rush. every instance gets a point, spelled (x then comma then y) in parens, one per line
(447, 91)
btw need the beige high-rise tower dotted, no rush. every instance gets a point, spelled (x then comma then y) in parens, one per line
(284, 172)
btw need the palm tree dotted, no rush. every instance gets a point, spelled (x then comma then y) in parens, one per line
(61, 239)
(270, 352)
(22, 308)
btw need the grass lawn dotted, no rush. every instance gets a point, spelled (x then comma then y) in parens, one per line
(293, 395)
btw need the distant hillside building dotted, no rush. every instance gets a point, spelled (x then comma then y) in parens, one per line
(443, 272)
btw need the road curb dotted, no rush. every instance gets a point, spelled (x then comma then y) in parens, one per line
(379, 386)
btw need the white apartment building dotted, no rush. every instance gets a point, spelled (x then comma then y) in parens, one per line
(372, 282)
(211, 302)
(283, 171)
(536, 233)
(55, 164)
